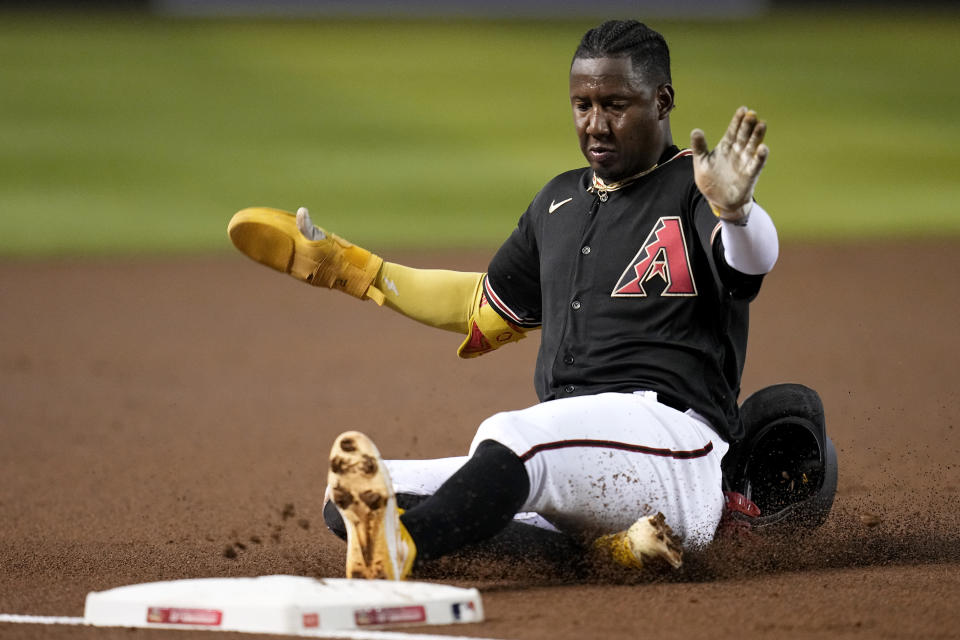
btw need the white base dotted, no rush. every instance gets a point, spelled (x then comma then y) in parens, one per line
(291, 605)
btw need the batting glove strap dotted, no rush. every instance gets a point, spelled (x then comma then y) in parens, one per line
(738, 217)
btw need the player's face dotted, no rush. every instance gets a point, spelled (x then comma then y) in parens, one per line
(621, 119)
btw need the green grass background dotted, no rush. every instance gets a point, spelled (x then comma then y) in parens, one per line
(132, 134)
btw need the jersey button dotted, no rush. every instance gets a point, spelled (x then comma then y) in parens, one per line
(569, 388)
(568, 359)
(585, 250)
(575, 304)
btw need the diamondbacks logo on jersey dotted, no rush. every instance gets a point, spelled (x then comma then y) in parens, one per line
(663, 255)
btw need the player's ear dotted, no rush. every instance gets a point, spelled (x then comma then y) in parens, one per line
(665, 102)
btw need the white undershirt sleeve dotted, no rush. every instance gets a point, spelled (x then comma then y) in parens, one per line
(754, 247)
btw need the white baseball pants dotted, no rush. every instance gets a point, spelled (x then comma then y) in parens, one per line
(597, 463)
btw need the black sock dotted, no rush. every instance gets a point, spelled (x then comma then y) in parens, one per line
(474, 504)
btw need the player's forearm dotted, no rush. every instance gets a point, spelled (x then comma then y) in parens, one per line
(451, 300)
(436, 297)
(751, 248)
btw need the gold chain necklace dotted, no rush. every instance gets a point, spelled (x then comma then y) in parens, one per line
(603, 189)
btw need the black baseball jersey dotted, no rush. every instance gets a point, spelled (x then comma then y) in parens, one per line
(631, 291)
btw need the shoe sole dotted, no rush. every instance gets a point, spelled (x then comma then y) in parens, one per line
(363, 494)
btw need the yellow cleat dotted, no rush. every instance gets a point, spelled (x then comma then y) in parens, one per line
(378, 545)
(647, 538)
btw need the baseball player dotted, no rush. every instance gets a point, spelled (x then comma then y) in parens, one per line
(637, 271)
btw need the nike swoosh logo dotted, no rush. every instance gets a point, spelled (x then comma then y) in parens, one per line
(554, 205)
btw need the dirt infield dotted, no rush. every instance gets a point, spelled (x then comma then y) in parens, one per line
(171, 419)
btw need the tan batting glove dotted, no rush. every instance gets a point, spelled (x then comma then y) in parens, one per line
(293, 244)
(727, 175)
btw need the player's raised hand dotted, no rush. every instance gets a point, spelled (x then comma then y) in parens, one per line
(727, 175)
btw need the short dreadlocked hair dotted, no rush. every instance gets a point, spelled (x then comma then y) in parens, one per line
(645, 47)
